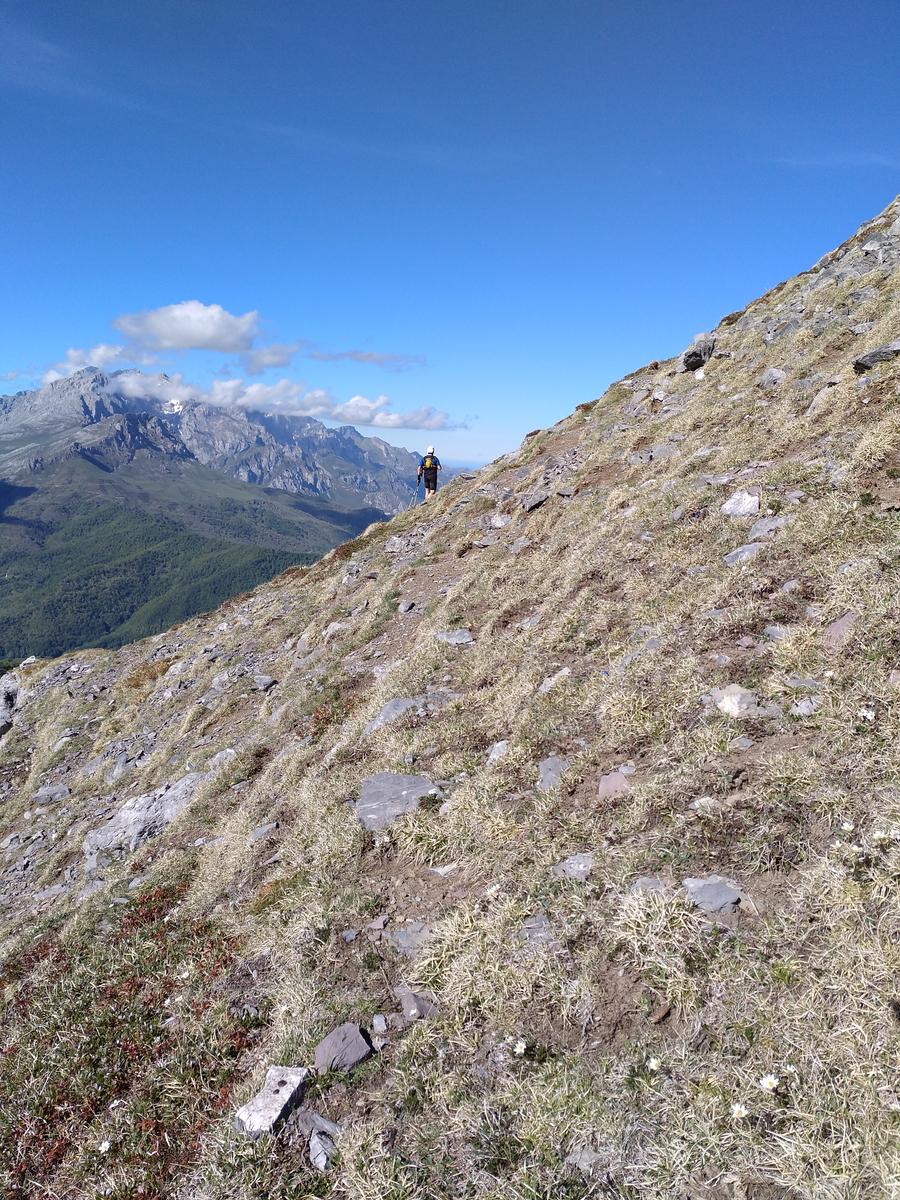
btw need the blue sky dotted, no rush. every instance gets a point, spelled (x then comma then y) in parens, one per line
(418, 213)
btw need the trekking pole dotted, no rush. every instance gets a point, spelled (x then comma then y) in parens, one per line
(415, 495)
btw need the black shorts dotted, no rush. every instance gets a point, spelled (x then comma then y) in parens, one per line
(430, 478)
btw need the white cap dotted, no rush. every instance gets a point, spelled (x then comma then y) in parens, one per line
(430, 450)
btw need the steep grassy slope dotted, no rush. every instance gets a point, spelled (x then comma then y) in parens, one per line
(670, 710)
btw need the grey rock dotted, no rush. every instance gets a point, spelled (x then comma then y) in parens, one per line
(140, 819)
(736, 701)
(806, 707)
(550, 771)
(386, 796)
(455, 637)
(270, 1107)
(261, 832)
(395, 545)
(537, 933)
(712, 894)
(743, 554)
(51, 793)
(589, 1162)
(880, 354)
(698, 353)
(379, 1023)
(741, 504)
(394, 710)
(497, 752)
(766, 526)
(548, 684)
(772, 377)
(221, 759)
(406, 606)
(342, 1049)
(839, 632)
(415, 1006)
(534, 500)
(520, 545)
(321, 1150)
(613, 783)
(9, 701)
(576, 866)
(407, 939)
(499, 520)
(262, 683)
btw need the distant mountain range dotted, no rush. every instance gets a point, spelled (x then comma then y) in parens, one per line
(121, 512)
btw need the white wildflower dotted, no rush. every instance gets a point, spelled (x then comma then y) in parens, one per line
(866, 714)
(104, 1147)
(847, 826)
(654, 1064)
(520, 1047)
(769, 1083)
(739, 1111)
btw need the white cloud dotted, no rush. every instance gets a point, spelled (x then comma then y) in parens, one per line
(278, 354)
(286, 396)
(76, 359)
(8, 376)
(190, 325)
(372, 358)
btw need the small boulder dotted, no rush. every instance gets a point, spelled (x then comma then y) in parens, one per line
(613, 783)
(414, 1005)
(772, 377)
(394, 710)
(496, 753)
(50, 793)
(698, 353)
(766, 526)
(262, 683)
(386, 796)
(534, 500)
(576, 866)
(342, 1049)
(406, 606)
(742, 554)
(9, 700)
(407, 939)
(881, 354)
(741, 504)
(270, 1107)
(712, 894)
(736, 701)
(839, 632)
(455, 637)
(550, 771)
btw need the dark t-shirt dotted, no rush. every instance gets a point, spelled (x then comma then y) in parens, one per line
(429, 473)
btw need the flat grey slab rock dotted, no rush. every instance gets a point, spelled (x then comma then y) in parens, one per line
(742, 554)
(880, 354)
(613, 783)
(550, 771)
(270, 1107)
(576, 866)
(713, 894)
(342, 1049)
(455, 637)
(406, 939)
(534, 500)
(51, 792)
(394, 710)
(141, 818)
(766, 526)
(386, 796)
(537, 933)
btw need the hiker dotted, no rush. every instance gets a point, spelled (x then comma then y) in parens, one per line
(428, 470)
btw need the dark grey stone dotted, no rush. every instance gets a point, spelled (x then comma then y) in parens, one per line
(342, 1049)
(881, 354)
(414, 1005)
(534, 500)
(699, 352)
